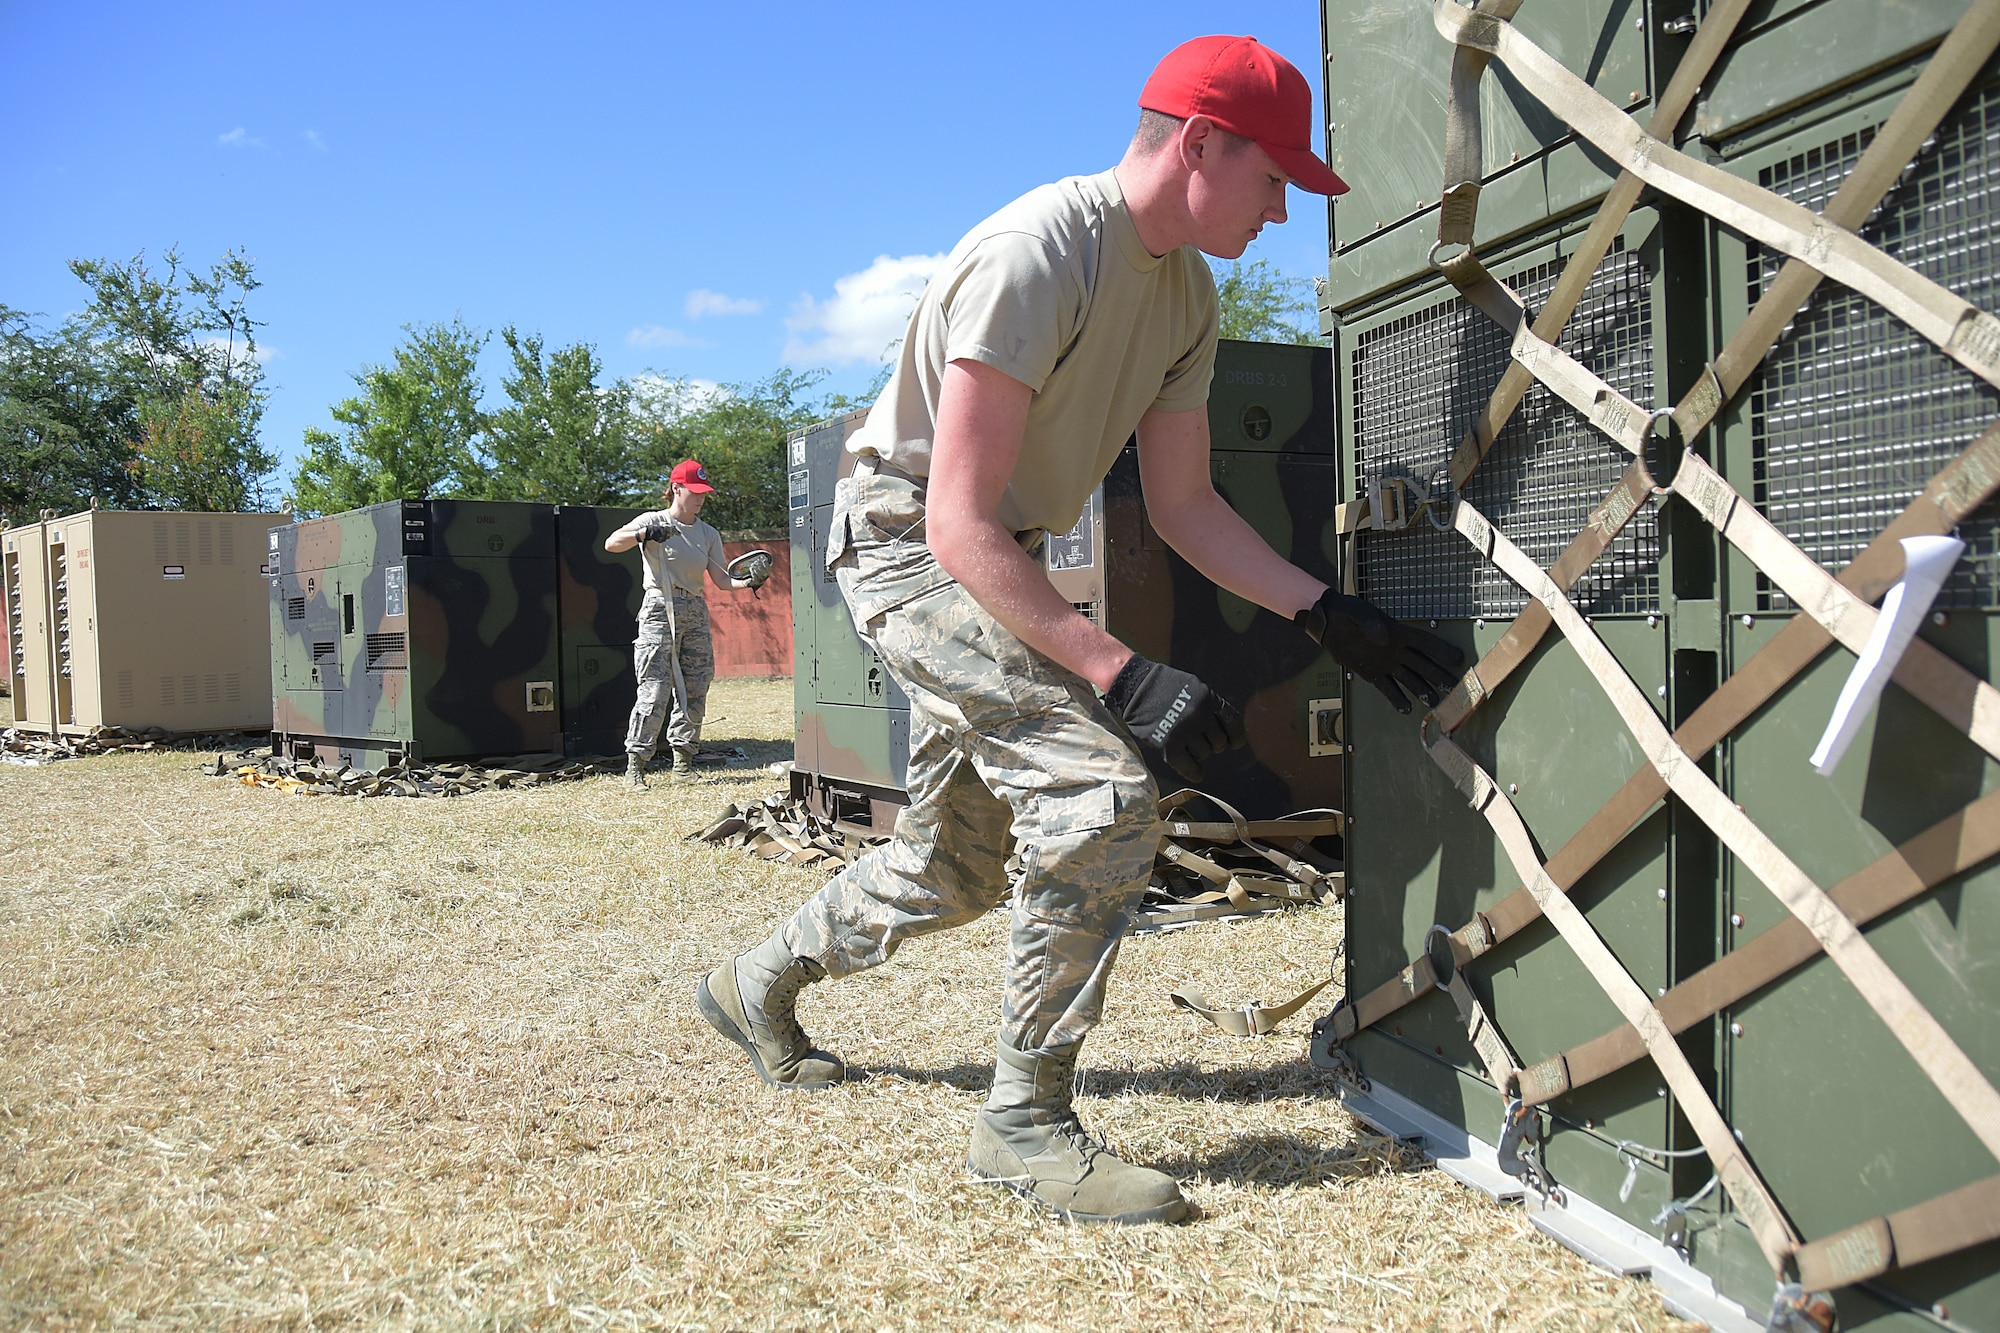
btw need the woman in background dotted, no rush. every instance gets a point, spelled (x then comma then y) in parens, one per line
(674, 657)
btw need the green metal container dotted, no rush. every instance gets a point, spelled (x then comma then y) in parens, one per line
(1847, 419)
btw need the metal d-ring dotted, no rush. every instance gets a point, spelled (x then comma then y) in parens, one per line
(1441, 930)
(1441, 494)
(1430, 256)
(1652, 434)
(1424, 730)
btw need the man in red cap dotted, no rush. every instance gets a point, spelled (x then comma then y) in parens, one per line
(673, 657)
(1075, 317)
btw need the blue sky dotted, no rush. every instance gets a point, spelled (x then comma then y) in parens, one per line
(709, 191)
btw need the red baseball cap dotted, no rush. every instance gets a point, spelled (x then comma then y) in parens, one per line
(1248, 89)
(691, 475)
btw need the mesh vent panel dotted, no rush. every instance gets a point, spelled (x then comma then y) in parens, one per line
(1852, 414)
(386, 652)
(1418, 384)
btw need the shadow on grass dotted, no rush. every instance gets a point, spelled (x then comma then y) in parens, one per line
(1183, 1079)
(1271, 1159)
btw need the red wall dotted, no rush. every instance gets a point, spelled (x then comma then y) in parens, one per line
(753, 631)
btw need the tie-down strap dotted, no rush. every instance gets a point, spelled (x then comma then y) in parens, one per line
(1952, 67)
(1960, 487)
(1966, 334)
(1753, 1199)
(1936, 1053)
(1455, 224)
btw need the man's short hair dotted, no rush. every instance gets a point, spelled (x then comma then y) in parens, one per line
(1157, 129)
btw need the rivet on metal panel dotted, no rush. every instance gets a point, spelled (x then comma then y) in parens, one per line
(1940, 618)
(1513, 789)
(1663, 895)
(1513, 157)
(1736, 920)
(1477, 624)
(1661, 1091)
(1652, 622)
(1633, 96)
(1661, 691)
(1735, 1029)
(1748, 621)
(1434, 624)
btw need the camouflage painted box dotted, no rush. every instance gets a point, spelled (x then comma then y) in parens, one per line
(418, 628)
(599, 594)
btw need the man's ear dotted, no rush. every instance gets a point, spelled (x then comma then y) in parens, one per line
(1199, 139)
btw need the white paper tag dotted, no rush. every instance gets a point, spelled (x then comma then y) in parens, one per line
(1926, 563)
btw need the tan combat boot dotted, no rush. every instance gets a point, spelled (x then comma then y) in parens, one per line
(635, 771)
(1029, 1139)
(752, 998)
(683, 765)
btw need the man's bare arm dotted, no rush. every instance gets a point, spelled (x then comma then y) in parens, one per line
(1183, 507)
(981, 422)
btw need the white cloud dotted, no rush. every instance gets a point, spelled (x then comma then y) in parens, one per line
(222, 343)
(705, 302)
(312, 138)
(699, 390)
(868, 312)
(239, 138)
(658, 335)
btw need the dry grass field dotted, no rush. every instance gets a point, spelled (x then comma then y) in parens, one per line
(275, 1061)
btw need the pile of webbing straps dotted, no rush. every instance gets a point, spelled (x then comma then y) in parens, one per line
(1212, 864)
(307, 777)
(24, 745)
(1834, 609)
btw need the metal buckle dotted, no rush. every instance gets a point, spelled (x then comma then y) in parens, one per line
(1390, 502)
(1520, 1149)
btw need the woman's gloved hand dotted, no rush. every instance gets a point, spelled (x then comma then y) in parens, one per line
(1172, 712)
(1391, 656)
(657, 531)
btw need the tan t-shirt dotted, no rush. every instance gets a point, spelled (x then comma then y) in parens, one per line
(1057, 291)
(679, 562)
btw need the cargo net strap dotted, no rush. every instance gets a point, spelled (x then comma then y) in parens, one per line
(1212, 864)
(1837, 609)
(24, 745)
(307, 777)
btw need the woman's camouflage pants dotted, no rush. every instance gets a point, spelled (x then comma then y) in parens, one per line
(1004, 744)
(653, 656)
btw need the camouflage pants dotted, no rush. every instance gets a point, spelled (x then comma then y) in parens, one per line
(653, 657)
(1002, 742)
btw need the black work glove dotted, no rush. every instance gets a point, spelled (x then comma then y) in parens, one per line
(656, 531)
(1391, 656)
(1174, 713)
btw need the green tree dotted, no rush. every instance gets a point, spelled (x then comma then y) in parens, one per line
(561, 439)
(1260, 304)
(66, 426)
(182, 346)
(738, 431)
(411, 432)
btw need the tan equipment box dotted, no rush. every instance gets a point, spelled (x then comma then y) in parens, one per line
(139, 619)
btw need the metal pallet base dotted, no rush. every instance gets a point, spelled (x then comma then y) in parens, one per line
(1577, 1224)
